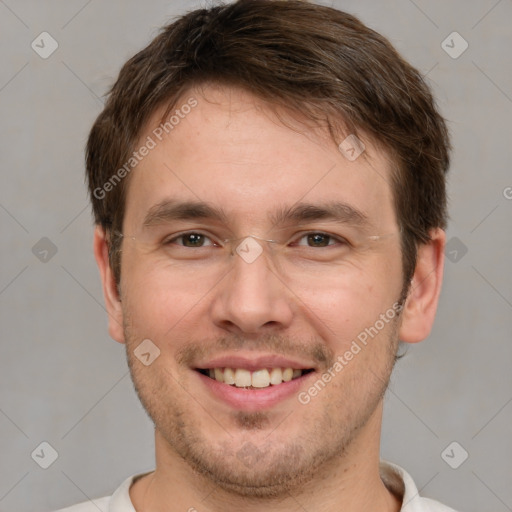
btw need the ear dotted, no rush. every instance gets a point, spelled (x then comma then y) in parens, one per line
(110, 292)
(421, 303)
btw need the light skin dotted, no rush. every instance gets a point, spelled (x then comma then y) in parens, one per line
(232, 154)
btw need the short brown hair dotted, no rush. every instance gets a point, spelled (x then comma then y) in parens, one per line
(315, 60)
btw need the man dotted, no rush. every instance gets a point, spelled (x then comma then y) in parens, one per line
(268, 185)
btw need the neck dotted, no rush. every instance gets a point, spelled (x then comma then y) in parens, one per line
(350, 482)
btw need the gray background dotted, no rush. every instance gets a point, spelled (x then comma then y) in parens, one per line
(62, 379)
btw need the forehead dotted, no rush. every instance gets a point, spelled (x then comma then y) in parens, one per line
(226, 148)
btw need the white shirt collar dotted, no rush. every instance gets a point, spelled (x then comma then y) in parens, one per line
(396, 479)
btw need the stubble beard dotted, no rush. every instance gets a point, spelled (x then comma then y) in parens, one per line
(269, 470)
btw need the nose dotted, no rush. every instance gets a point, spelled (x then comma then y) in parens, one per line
(252, 298)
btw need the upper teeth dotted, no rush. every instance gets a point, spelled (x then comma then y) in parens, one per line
(263, 378)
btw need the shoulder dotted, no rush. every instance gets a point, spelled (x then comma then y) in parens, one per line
(434, 506)
(101, 504)
(398, 481)
(119, 501)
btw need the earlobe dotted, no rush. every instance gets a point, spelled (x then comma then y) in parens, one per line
(110, 291)
(421, 303)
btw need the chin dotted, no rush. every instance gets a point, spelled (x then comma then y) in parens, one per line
(256, 472)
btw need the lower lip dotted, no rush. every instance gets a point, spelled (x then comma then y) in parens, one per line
(254, 399)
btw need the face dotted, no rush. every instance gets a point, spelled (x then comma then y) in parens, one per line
(255, 252)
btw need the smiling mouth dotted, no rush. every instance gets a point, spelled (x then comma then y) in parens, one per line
(264, 378)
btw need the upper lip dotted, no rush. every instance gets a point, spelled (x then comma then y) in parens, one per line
(254, 362)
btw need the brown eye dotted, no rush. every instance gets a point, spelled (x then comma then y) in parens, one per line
(193, 240)
(318, 240)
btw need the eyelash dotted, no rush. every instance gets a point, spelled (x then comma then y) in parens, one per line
(339, 240)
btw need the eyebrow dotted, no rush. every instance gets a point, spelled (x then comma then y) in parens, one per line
(169, 210)
(333, 211)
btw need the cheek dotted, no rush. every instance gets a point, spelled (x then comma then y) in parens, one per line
(343, 307)
(154, 302)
